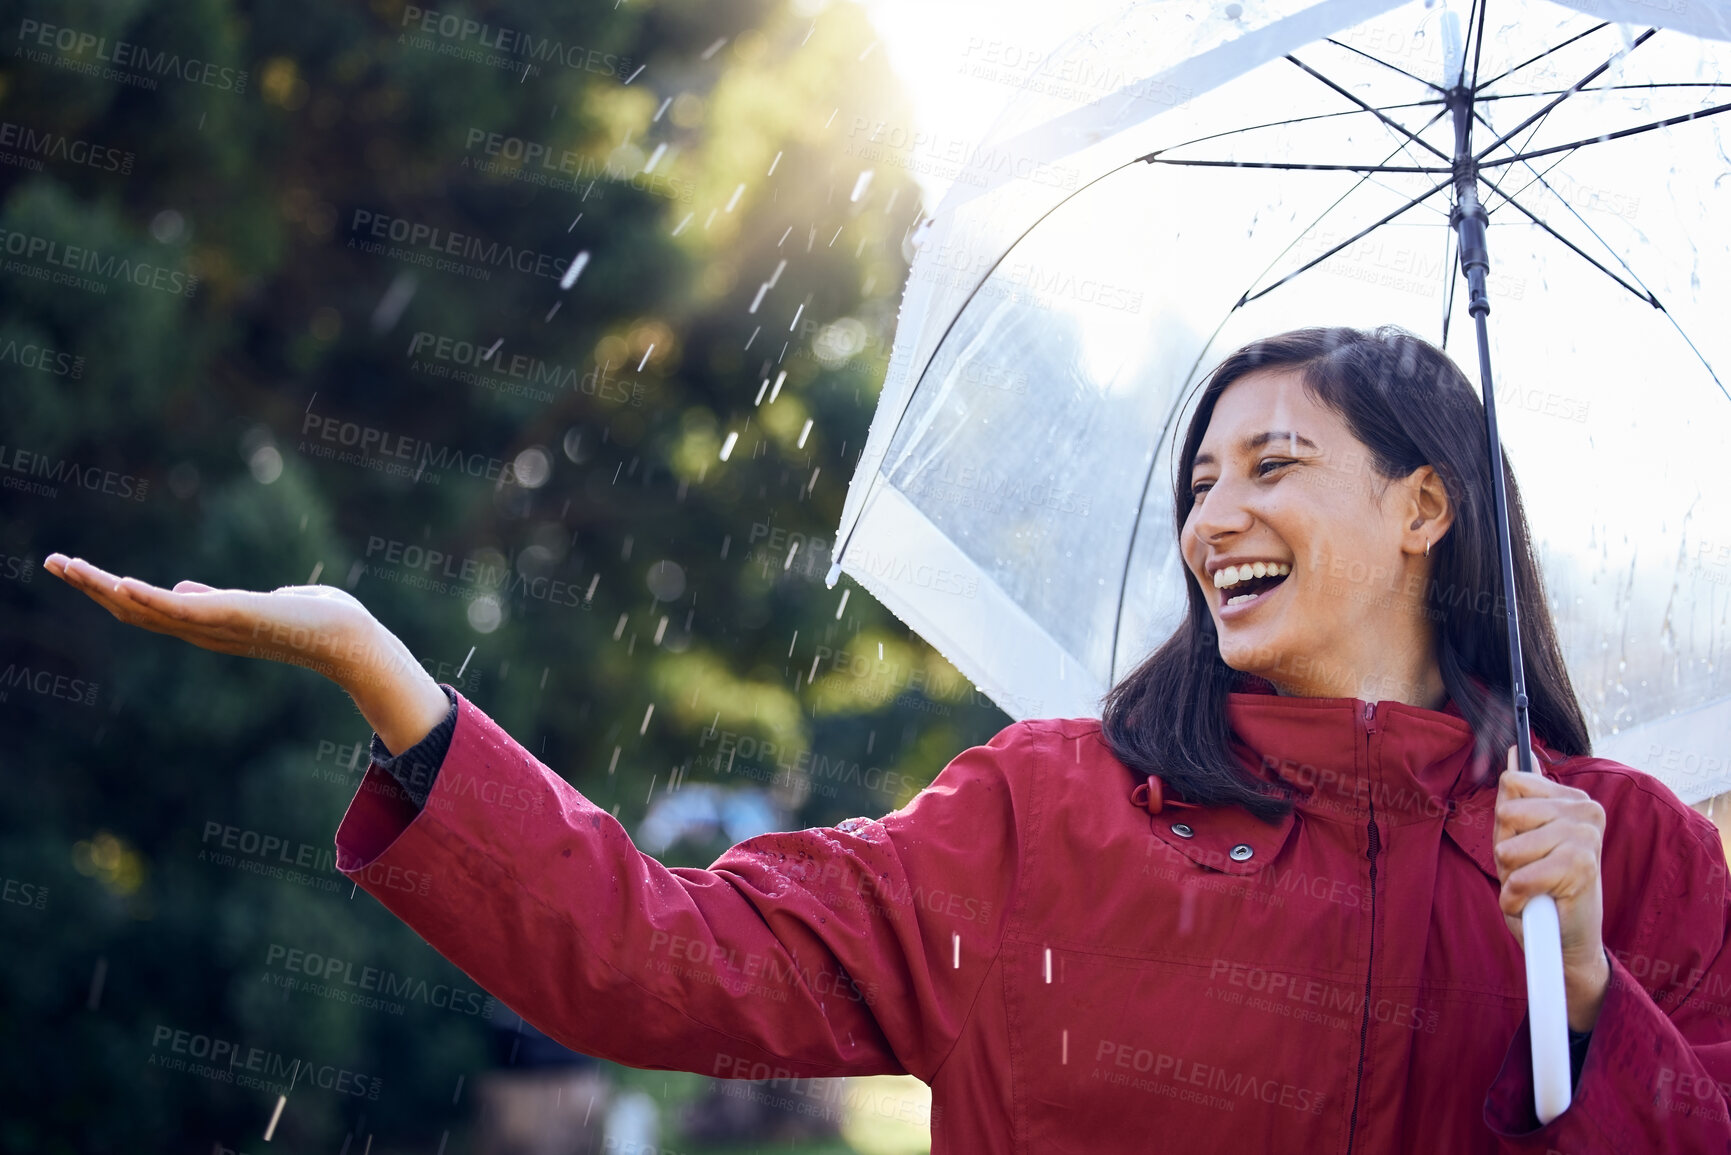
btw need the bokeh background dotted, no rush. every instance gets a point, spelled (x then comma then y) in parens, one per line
(550, 332)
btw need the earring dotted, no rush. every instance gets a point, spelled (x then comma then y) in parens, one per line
(1427, 547)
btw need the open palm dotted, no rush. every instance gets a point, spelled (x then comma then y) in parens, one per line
(320, 627)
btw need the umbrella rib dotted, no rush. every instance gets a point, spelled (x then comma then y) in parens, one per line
(1650, 298)
(1386, 64)
(1703, 113)
(1154, 158)
(1248, 297)
(1320, 217)
(1480, 98)
(1376, 112)
(1451, 274)
(1537, 125)
(1545, 111)
(1554, 48)
(1647, 296)
(1478, 48)
(1284, 123)
(1538, 177)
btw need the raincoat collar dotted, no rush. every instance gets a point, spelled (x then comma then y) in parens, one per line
(1343, 758)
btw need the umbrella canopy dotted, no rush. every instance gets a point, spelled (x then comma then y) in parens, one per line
(1114, 237)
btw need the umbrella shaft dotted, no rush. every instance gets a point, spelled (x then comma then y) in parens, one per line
(1468, 217)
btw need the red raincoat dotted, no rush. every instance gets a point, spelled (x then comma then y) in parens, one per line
(1044, 944)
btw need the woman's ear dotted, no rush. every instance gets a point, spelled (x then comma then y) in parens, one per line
(1430, 512)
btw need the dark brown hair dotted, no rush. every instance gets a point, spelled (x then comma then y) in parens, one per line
(1410, 405)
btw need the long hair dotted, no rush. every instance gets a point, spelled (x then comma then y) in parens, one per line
(1410, 405)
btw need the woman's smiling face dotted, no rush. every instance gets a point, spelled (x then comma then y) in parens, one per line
(1280, 479)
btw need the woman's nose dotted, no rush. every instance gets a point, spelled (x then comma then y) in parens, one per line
(1220, 512)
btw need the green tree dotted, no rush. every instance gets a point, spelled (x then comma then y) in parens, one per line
(285, 300)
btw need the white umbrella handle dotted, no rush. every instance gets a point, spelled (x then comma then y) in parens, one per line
(1547, 1007)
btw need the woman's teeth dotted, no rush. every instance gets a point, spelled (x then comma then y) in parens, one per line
(1231, 576)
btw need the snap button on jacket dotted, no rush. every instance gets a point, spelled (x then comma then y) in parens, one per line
(1032, 938)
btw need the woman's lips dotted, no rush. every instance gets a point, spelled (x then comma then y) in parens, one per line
(1230, 611)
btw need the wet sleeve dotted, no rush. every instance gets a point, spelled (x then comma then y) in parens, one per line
(1657, 1067)
(847, 950)
(415, 768)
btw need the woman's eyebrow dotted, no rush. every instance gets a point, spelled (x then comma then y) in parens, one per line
(1257, 441)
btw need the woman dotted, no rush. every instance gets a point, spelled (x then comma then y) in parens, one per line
(1271, 903)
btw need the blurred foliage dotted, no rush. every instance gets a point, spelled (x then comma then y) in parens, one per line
(200, 254)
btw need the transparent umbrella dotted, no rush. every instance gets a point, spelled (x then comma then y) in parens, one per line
(1183, 179)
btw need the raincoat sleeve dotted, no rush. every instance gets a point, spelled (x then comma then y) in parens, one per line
(851, 950)
(1657, 1075)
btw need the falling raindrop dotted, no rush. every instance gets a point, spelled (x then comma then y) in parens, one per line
(574, 269)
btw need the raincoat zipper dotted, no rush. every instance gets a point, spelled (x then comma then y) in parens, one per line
(1370, 963)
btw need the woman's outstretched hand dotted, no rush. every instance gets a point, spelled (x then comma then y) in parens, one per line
(1547, 840)
(319, 627)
